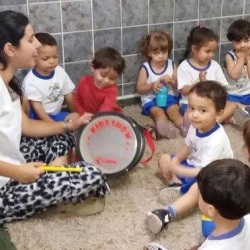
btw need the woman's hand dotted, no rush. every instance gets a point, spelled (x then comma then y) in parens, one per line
(28, 172)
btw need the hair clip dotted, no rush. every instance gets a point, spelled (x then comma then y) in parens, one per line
(201, 26)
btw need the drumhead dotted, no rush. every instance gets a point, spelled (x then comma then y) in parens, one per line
(112, 142)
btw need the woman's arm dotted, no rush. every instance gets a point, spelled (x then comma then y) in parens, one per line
(38, 128)
(25, 173)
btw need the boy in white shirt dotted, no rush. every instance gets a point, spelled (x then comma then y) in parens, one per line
(223, 195)
(47, 85)
(206, 141)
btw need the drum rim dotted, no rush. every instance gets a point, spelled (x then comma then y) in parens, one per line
(138, 134)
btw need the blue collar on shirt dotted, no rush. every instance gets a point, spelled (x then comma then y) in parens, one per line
(166, 65)
(216, 126)
(199, 69)
(230, 234)
(43, 77)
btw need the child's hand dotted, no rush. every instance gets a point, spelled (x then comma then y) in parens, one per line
(169, 81)
(156, 86)
(242, 53)
(166, 79)
(202, 76)
(248, 54)
(29, 172)
(85, 118)
(173, 81)
(73, 125)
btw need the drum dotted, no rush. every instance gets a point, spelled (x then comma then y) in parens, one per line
(113, 142)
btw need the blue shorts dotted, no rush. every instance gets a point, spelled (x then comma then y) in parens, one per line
(186, 182)
(183, 108)
(57, 118)
(171, 101)
(243, 99)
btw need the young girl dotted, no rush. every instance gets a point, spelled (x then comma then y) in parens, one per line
(237, 62)
(200, 66)
(157, 71)
(25, 189)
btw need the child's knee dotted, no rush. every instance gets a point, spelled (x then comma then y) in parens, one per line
(163, 162)
(157, 114)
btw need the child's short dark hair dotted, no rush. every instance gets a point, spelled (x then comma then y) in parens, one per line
(46, 39)
(211, 90)
(225, 184)
(238, 30)
(109, 58)
(156, 41)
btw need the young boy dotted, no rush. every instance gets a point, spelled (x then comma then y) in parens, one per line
(238, 68)
(206, 141)
(223, 195)
(47, 85)
(98, 92)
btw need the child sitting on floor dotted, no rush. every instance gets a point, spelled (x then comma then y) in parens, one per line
(238, 68)
(158, 71)
(47, 85)
(206, 141)
(223, 195)
(98, 92)
(202, 43)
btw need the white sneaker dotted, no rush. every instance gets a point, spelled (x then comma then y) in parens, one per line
(154, 246)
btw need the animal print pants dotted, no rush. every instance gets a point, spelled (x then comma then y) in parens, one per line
(20, 201)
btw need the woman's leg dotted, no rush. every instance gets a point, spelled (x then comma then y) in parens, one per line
(51, 149)
(19, 201)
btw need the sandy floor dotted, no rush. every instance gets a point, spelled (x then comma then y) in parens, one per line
(121, 226)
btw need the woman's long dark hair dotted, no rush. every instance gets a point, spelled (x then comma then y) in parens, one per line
(12, 29)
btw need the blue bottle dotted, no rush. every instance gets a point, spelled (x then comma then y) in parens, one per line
(162, 97)
(207, 225)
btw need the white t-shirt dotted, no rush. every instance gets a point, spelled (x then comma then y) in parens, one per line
(10, 129)
(237, 239)
(207, 147)
(49, 90)
(153, 76)
(242, 85)
(187, 74)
